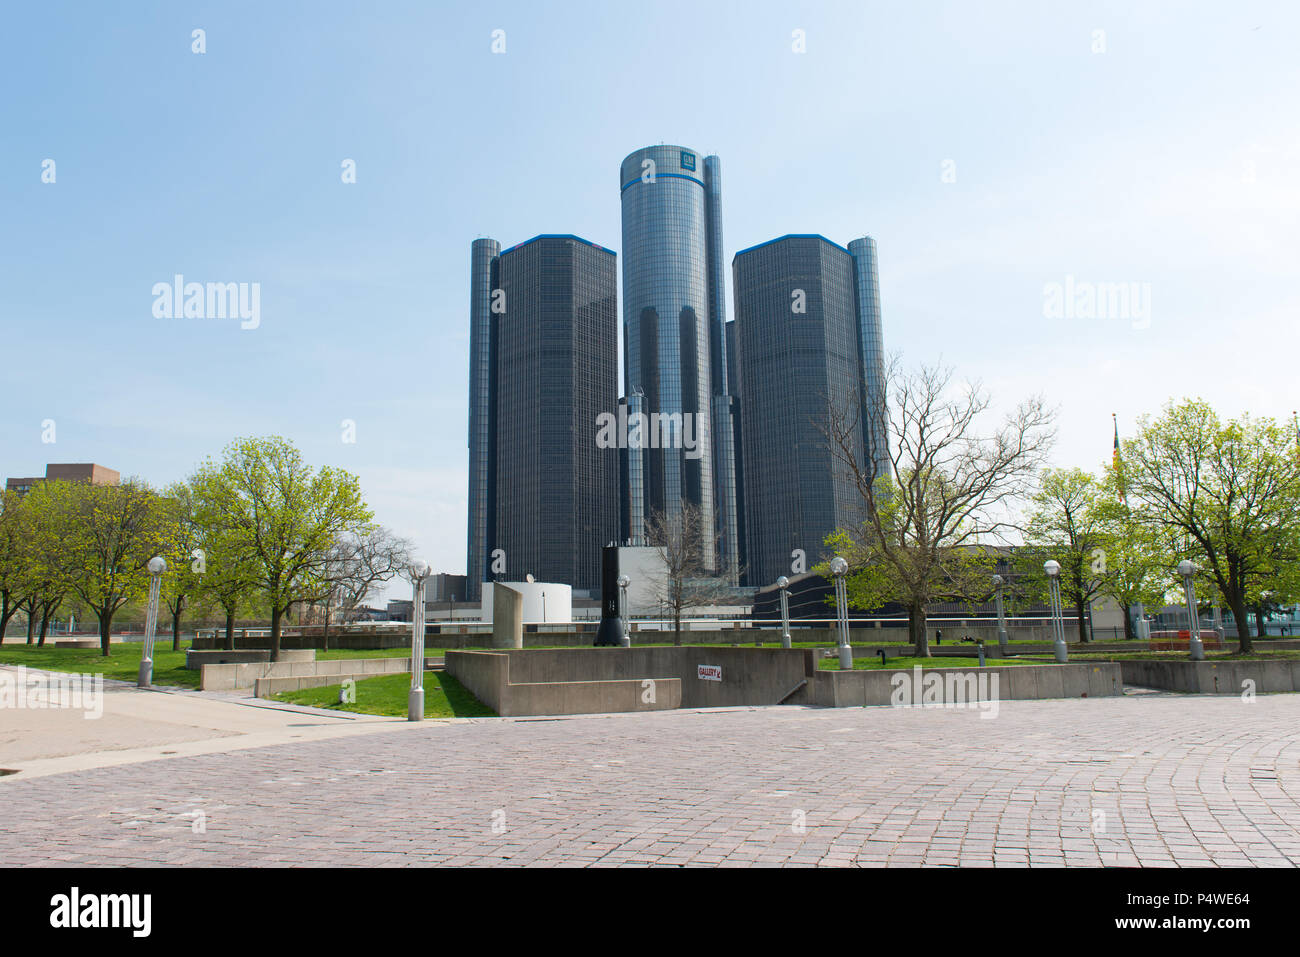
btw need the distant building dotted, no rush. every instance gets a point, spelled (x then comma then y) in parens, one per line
(544, 370)
(69, 472)
(444, 587)
(807, 343)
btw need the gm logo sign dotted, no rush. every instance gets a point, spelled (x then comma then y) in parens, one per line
(688, 161)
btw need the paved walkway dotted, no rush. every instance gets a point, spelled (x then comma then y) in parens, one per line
(1150, 779)
(126, 724)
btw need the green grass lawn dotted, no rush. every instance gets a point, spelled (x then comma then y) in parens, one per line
(444, 697)
(123, 662)
(904, 662)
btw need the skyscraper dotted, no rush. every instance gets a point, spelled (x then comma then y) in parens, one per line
(807, 333)
(674, 340)
(483, 254)
(550, 496)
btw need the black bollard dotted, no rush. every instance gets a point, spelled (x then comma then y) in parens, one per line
(610, 632)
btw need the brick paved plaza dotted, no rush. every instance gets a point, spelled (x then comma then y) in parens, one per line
(1149, 779)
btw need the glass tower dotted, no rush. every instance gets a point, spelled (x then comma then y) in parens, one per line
(674, 340)
(805, 308)
(483, 254)
(551, 492)
(875, 418)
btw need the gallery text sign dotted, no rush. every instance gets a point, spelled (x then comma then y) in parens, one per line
(709, 672)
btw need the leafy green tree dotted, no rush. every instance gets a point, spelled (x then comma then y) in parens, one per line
(1136, 563)
(1065, 524)
(224, 571)
(1232, 488)
(277, 518)
(182, 582)
(46, 575)
(12, 546)
(105, 536)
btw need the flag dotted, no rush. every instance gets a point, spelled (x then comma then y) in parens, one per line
(1115, 461)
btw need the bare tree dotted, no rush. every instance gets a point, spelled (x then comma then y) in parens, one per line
(358, 561)
(938, 494)
(688, 582)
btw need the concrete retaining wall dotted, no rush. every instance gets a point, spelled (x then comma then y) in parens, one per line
(1214, 677)
(195, 659)
(230, 677)
(844, 689)
(748, 676)
(594, 697)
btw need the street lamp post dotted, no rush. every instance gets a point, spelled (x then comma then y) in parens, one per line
(420, 572)
(1002, 619)
(840, 568)
(1194, 646)
(783, 583)
(156, 568)
(623, 582)
(1053, 569)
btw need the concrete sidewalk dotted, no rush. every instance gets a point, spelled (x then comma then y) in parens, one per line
(144, 725)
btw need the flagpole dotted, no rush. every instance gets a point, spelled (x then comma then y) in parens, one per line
(1115, 462)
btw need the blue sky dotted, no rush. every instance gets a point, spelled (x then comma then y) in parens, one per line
(1172, 158)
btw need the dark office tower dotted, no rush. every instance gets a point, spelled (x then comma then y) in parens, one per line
(543, 370)
(674, 311)
(483, 253)
(800, 314)
(555, 361)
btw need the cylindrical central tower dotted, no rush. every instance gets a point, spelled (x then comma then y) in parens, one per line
(667, 313)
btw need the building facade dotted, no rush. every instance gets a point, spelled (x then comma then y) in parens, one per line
(66, 472)
(803, 311)
(547, 491)
(674, 341)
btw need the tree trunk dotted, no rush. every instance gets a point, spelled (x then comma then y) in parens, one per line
(916, 630)
(276, 614)
(31, 621)
(230, 630)
(677, 626)
(1083, 622)
(45, 625)
(105, 630)
(1261, 630)
(325, 634)
(1129, 633)
(176, 628)
(1241, 617)
(5, 612)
